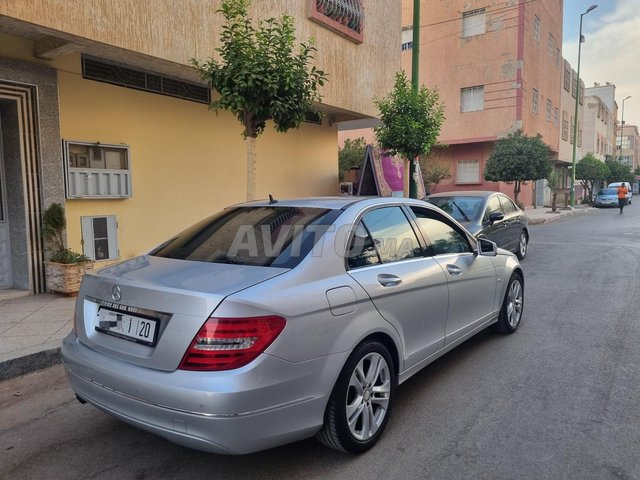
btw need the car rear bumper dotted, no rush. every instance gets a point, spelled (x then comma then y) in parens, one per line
(268, 403)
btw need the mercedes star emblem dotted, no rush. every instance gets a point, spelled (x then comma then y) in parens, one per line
(116, 293)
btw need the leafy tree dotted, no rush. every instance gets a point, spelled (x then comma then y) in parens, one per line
(350, 155)
(411, 119)
(260, 77)
(619, 172)
(554, 180)
(433, 171)
(517, 158)
(590, 170)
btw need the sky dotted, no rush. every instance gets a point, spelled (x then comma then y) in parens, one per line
(611, 52)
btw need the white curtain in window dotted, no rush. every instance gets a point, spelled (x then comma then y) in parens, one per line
(468, 171)
(474, 23)
(472, 99)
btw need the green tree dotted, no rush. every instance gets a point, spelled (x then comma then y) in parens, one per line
(517, 158)
(411, 120)
(351, 155)
(590, 170)
(260, 76)
(554, 181)
(619, 172)
(433, 171)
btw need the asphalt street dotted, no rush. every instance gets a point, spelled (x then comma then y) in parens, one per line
(556, 400)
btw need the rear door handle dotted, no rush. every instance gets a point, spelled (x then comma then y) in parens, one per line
(388, 280)
(454, 270)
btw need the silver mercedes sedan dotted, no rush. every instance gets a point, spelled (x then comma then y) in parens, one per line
(278, 320)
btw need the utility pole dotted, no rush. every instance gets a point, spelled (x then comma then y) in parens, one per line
(415, 83)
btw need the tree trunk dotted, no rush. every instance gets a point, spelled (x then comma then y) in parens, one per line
(516, 190)
(554, 200)
(251, 168)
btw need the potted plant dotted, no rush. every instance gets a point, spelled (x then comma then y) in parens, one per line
(64, 268)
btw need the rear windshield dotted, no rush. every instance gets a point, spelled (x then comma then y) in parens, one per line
(463, 209)
(272, 236)
(608, 191)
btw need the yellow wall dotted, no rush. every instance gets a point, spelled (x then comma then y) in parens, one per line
(176, 31)
(186, 161)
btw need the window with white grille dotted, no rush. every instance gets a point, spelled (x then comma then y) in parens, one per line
(407, 38)
(468, 171)
(534, 101)
(97, 170)
(549, 109)
(472, 99)
(536, 28)
(474, 22)
(100, 237)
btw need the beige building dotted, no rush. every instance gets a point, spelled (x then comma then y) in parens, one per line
(599, 127)
(628, 142)
(100, 110)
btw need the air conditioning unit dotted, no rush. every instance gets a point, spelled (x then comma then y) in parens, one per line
(346, 188)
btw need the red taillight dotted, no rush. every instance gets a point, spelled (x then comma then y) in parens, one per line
(228, 343)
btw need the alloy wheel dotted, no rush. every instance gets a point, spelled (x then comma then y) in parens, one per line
(514, 303)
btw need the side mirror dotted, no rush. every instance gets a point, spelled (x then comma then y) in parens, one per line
(487, 248)
(495, 217)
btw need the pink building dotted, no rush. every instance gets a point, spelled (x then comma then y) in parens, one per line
(498, 68)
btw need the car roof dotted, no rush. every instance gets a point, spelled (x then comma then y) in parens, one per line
(334, 203)
(465, 193)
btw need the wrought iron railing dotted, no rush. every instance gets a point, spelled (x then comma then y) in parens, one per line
(346, 12)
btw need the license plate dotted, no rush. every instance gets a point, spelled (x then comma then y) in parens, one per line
(130, 327)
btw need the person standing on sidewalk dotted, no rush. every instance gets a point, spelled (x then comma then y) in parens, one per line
(622, 196)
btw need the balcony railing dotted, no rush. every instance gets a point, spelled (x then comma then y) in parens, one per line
(345, 17)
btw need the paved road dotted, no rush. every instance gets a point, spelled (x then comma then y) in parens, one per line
(557, 400)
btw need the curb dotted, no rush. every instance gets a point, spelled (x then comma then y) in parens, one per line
(29, 363)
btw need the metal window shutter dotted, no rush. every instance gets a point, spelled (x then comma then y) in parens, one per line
(87, 237)
(112, 235)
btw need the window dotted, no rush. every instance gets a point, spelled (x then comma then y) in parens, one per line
(393, 237)
(536, 28)
(493, 206)
(125, 76)
(549, 109)
(581, 93)
(534, 101)
(579, 134)
(572, 133)
(345, 17)
(443, 238)
(565, 126)
(472, 99)
(555, 116)
(97, 170)
(407, 38)
(468, 171)
(551, 45)
(473, 23)
(574, 83)
(266, 236)
(362, 252)
(567, 76)
(557, 57)
(100, 237)
(507, 205)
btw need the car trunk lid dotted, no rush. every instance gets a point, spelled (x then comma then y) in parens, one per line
(146, 311)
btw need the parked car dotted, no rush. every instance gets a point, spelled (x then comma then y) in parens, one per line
(490, 215)
(629, 190)
(274, 321)
(607, 197)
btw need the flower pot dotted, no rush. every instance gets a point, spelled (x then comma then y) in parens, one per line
(65, 277)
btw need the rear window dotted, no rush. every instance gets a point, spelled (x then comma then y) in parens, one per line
(463, 209)
(269, 236)
(608, 191)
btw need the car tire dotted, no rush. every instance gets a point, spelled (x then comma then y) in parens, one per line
(523, 243)
(360, 403)
(512, 306)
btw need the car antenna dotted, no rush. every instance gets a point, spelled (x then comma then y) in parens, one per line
(272, 200)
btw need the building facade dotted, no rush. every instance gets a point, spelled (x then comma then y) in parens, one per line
(101, 111)
(628, 143)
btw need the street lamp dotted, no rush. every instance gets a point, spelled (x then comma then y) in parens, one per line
(621, 127)
(575, 125)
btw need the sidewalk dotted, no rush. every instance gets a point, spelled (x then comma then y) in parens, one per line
(32, 326)
(31, 330)
(545, 215)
